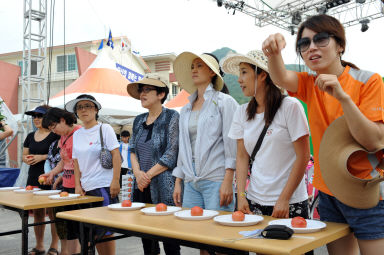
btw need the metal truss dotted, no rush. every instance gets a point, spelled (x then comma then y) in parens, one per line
(289, 13)
(33, 76)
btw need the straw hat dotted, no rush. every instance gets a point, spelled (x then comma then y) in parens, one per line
(182, 68)
(230, 63)
(149, 79)
(337, 146)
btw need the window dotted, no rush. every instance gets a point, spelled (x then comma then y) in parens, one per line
(33, 67)
(70, 63)
(174, 90)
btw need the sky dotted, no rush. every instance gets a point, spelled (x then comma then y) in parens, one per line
(164, 26)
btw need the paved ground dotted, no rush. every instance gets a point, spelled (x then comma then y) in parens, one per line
(11, 245)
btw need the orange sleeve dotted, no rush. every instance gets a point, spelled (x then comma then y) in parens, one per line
(372, 98)
(302, 87)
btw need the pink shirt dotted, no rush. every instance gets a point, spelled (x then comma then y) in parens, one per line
(66, 145)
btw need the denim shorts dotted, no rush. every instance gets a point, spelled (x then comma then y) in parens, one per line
(206, 194)
(367, 224)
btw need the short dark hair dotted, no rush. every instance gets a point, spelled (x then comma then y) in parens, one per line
(125, 133)
(159, 90)
(54, 115)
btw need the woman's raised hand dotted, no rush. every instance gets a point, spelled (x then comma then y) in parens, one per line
(273, 45)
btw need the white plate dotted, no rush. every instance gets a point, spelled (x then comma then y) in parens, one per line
(186, 215)
(312, 225)
(248, 220)
(46, 192)
(9, 188)
(26, 191)
(70, 196)
(152, 210)
(118, 207)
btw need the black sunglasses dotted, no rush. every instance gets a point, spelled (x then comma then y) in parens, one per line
(146, 90)
(320, 40)
(37, 116)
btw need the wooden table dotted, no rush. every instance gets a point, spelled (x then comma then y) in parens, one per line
(22, 202)
(200, 234)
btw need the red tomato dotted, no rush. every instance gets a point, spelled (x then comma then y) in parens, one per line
(129, 195)
(42, 179)
(129, 190)
(29, 187)
(298, 222)
(197, 211)
(161, 207)
(64, 194)
(130, 179)
(238, 216)
(126, 203)
(129, 184)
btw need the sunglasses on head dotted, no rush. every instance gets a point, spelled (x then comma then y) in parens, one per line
(37, 116)
(320, 40)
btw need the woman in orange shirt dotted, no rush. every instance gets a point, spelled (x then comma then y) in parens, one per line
(338, 88)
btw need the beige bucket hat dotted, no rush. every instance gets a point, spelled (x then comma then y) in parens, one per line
(336, 147)
(230, 63)
(149, 79)
(182, 68)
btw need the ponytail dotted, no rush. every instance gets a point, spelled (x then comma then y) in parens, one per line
(251, 109)
(345, 63)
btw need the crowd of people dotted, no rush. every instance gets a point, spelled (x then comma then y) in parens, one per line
(216, 154)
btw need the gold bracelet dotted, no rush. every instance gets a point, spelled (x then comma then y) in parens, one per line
(243, 194)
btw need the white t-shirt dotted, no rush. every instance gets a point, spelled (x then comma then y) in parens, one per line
(124, 154)
(276, 156)
(86, 149)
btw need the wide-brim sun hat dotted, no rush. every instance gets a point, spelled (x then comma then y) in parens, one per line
(183, 72)
(40, 109)
(336, 147)
(70, 106)
(230, 63)
(149, 79)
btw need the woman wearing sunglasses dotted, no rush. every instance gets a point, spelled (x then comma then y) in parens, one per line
(154, 147)
(338, 88)
(35, 153)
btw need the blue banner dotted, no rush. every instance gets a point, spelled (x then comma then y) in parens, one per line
(131, 76)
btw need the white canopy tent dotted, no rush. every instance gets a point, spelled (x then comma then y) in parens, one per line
(103, 81)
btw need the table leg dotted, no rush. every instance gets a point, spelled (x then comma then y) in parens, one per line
(24, 231)
(92, 242)
(83, 240)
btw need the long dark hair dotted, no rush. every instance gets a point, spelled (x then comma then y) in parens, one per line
(273, 97)
(214, 78)
(329, 24)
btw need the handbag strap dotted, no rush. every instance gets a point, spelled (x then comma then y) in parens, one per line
(261, 138)
(101, 137)
(258, 144)
(67, 139)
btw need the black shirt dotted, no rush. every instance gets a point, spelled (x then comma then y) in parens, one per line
(38, 148)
